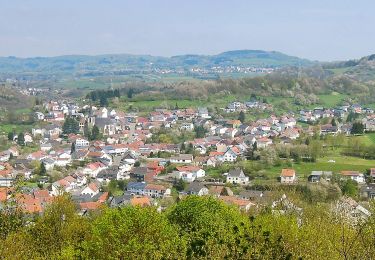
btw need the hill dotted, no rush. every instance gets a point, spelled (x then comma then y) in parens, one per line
(362, 70)
(124, 64)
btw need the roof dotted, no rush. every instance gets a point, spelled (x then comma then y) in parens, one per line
(288, 173)
(188, 168)
(136, 185)
(350, 173)
(140, 201)
(236, 201)
(195, 187)
(235, 172)
(155, 187)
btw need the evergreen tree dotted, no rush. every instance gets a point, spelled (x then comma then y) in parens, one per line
(21, 139)
(42, 170)
(86, 130)
(73, 148)
(10, 136)
(182, 148)
(117, 93)
(95, 133)
(357, 128)
(103, 101)
(333, 122)
(130, 93)
(241, 117)
(70, 126)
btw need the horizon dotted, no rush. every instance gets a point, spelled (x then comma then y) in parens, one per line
(318, 31)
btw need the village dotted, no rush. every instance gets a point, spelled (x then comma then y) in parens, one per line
(102, 156)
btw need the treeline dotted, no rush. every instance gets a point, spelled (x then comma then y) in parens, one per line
(103, 95)
(194, 228)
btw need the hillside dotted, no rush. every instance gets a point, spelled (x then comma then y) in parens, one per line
(123, 64)
(362, 70)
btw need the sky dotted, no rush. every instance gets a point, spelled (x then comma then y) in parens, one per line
(322, 30)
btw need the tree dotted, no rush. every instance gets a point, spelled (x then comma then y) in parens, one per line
(42, 170)
(114, 233)
(350, 188)
(130, 93)
(11, 136)
(73, 148)
(210, 227)
(21, 139)
(182, 147)
(241, 117)
(70, 126)
(333, 122)
(357, 128)
(103, 101)
(180, 185)
(200, 131)
(86, 130)
(117, 93)
(95, 133)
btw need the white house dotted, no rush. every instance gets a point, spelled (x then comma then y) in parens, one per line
(92, 189)
(237, 176)
(288, 176)
(81, 143)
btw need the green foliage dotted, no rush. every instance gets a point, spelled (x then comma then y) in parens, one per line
(134, 233)
(242, 117)
(95, 133)
(357, 128)
(200, 131)
(210, 227)
(21, 139)
(70, 126)
(350, 188)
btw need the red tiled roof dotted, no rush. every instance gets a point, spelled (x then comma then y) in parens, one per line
(288, 172)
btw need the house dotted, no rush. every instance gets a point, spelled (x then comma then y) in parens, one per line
(14, 151)
(354, 175)
(187, 126)
(368, 191)
(231, 154)
(140, 201)
(197, 188)
(93, 169)
(219, 190)
(92, 189)
(243, 205)
(372, 172)
(156, 191)
(135, 188)
(66, 184)
(81, 143)
(182, 158)
(237, 176)
(189, 173)
(288, 176)
(316, 176)
(263, 142)
(4, 156)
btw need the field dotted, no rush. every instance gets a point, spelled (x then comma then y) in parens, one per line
(6, 128)
(331, 100)
(149, 105)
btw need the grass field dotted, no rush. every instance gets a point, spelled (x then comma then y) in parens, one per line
(304, 169)
(6, 128)
(148, 105)
(371, 137)
(332, 100)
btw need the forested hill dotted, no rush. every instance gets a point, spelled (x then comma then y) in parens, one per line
(126, 63)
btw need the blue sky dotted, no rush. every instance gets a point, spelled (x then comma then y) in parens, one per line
(318, 30)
